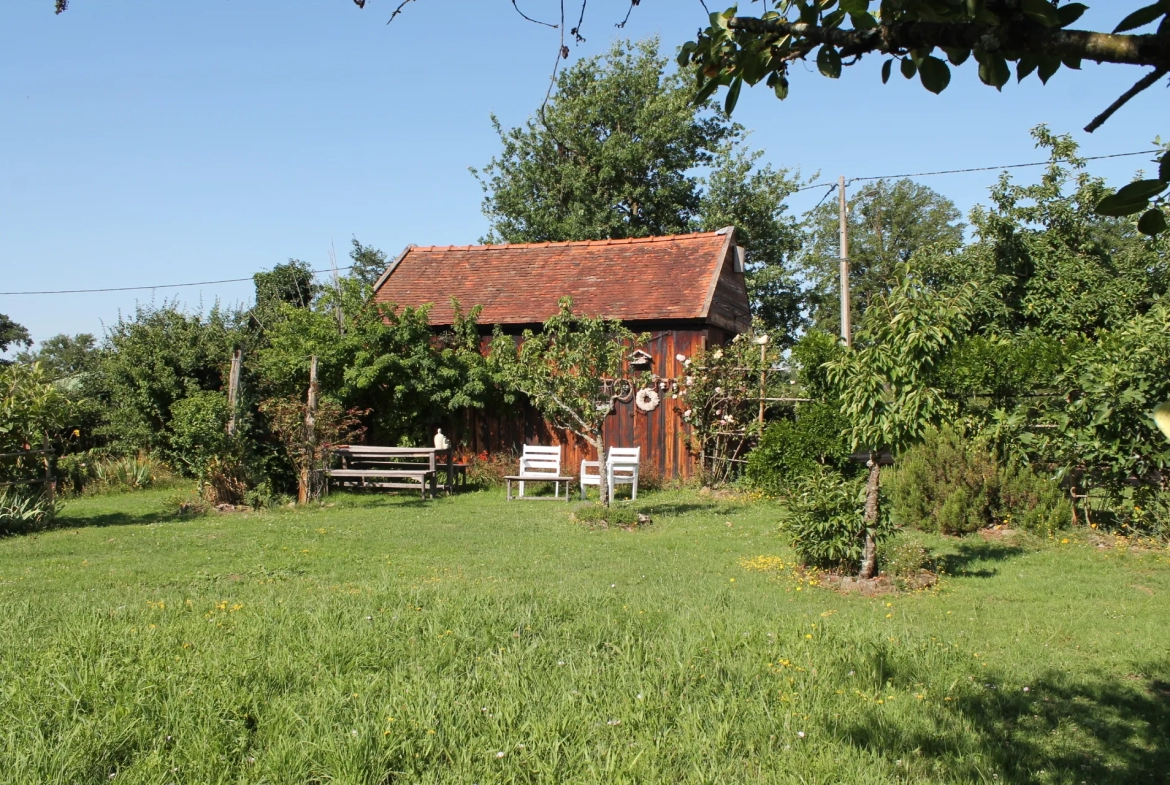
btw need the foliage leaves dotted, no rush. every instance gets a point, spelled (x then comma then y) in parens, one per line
(888, 384)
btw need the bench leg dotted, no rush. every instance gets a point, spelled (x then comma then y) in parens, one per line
(509, 484)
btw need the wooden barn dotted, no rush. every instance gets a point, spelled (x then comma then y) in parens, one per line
(687, 291)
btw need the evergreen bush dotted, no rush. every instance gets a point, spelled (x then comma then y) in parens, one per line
(951, 486)
(792, 449)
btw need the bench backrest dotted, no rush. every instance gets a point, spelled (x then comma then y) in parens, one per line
(356, 456)
(625, 455)
(538, 459)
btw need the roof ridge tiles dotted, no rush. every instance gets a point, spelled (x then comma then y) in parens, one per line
(568, 243)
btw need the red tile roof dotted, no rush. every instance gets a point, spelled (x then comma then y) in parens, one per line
(651, 278)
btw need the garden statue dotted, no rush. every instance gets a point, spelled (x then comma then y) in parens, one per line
(441, 441)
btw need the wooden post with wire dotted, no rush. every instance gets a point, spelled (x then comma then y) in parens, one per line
(763, 342)
(234, 390)
(846, 315)
(304, 492)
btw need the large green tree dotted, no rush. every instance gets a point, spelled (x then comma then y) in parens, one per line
(620, 150)
(888, 224)
(12, 334)
(152, 360)
(1045, 262)
(63, 355)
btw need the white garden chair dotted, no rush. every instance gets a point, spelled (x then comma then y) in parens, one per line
(621, 468)
(539, 464)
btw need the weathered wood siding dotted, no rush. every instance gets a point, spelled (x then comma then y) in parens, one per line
(730, 306)
(661, 433)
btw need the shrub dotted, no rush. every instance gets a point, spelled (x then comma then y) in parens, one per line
(943, 485)
(1031, 501)
(901, 558)
(185, 503)
(620, 515)
(792, 449)
(489, 469)
(75, 472)
(826, 523)
(199, 432)
(949, 485)
(1150, 515)
(126, 474)
(226, 482)
(23, 510)
(649, 476)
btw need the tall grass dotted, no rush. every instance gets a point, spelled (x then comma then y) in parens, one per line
(467, 640)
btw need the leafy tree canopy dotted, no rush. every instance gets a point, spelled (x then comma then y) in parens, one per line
(1043, 260)
(63, 355)
(367, 263)
(291, 283)
(923, 39)
(12, 334)
(375, 357)
(888, 224)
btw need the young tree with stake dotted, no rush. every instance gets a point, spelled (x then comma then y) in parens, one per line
(568, 371)
(887, 382)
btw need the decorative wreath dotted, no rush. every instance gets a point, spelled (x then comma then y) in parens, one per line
(647, 399)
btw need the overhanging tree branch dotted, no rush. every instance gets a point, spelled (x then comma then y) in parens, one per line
(901, 37)
(1143, 83)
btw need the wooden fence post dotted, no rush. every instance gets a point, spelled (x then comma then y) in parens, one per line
(234, 391)
(303, 492)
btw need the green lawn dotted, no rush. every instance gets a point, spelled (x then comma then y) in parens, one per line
(465, 640)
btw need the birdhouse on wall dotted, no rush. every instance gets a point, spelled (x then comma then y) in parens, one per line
(640, 360)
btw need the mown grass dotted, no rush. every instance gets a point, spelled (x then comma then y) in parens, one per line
(466, 640)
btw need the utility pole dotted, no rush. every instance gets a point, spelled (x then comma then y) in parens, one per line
(846, 316)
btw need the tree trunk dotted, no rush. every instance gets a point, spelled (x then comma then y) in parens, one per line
(869, 556)
(604, 482)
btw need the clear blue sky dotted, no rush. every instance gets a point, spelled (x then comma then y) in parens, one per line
(147, 142)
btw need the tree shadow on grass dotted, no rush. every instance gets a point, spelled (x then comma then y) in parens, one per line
(967, 561)
(668, 509)
(1094, 729)
(100, 520)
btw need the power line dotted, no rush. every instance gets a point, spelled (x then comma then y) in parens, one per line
(973, 169)
(160, 286)
(802, 188)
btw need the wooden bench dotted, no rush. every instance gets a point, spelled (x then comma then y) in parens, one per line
(389, 467)
(539, 464)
